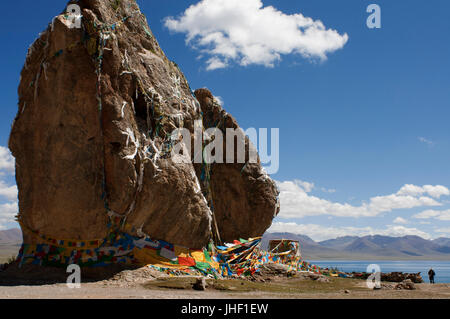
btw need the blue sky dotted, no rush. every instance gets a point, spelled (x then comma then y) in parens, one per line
(360, 125)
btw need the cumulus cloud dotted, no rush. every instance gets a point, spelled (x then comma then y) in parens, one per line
(306, 186)
(215, 63)
(7, 162)
(443, 215)
(8, 212)
(400, 220)
(246, 32)
(8, 192)
(443, 230)
(8, 209)
(296, 202)
(319, 232)
(434, 191)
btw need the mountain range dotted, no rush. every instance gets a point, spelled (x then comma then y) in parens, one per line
(368, 247)
(10, 242)
(10, 236)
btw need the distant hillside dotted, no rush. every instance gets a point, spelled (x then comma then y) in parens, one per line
(10, 236)
(10, 242)
(368, 247)
(338, 243)
(442, 241)
(310, 248)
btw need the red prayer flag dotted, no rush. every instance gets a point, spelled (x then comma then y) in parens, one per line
(186, 261)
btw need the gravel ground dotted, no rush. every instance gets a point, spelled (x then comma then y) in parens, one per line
(102, 291)
(144, 283)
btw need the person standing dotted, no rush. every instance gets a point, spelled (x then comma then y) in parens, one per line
(431, 275)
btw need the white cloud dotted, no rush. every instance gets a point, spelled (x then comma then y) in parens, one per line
(9, 192)
(7, 162)
(9, 209)
(319, 232)
(8, 212)
(443, 215)
(434, 191)
(297, 203)
(400, 220)
(306, 186)
(426, 141)
(215, 63)
(445, 230)
(219, 100)
(246, 32)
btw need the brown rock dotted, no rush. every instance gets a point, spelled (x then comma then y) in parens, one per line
(400, 276)
(302, 275)
(78, 159)
(406, 284)
(272, 270)
(386, 286)
(322, 279)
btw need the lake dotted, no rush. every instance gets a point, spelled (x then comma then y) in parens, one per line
(441, 268)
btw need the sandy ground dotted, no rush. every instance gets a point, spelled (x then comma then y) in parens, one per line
(95, 291)
(150, 284)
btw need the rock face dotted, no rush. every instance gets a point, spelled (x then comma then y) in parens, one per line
(92, 140)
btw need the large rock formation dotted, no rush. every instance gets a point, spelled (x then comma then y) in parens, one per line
(97, 105)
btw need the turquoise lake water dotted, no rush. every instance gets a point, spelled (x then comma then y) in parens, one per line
(441, 268)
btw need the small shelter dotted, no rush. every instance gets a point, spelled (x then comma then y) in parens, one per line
(278, 246)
